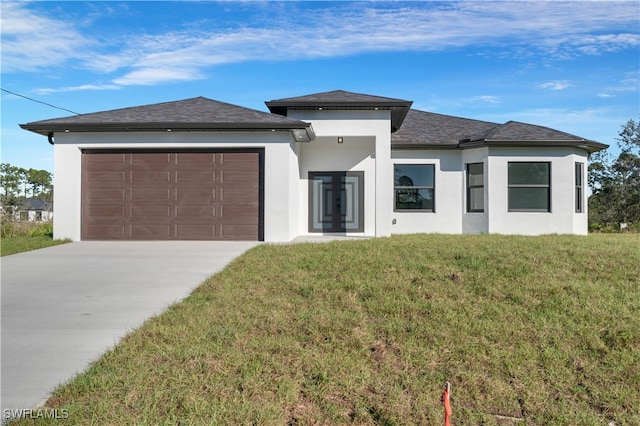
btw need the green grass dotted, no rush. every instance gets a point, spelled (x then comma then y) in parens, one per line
(21, 244)
(528, 330)
(18, 237)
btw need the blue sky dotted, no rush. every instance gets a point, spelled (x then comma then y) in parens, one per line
(572, 66)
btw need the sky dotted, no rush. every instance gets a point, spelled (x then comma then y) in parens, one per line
(572, 66)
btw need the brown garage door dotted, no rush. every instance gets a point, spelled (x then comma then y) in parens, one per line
(171, 195)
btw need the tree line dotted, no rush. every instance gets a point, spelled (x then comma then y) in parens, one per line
(17, 183)
(615, 183)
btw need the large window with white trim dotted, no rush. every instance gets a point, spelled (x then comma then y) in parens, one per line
(414, 187)
(529, 185)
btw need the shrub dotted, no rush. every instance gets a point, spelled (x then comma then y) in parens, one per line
(13, 229)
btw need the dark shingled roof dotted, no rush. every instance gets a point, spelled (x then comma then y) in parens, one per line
(514, 133)
(193, 114)
(340, 100)
(514, 130)
(411, 129)
(422, 129)
(338, 97)
(36, 204)
(427, 130)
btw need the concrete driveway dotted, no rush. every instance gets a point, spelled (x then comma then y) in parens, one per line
(63, 306)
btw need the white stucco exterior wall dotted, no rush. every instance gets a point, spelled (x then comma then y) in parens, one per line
(280, 165)
(562, 219)
(450, 215)
(448, 194)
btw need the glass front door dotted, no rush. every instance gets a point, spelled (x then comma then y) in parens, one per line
(336, 201)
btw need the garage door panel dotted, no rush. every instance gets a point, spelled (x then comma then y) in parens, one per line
(191, 159)
(198, 212)
(195, 196)
(240, 211)
(247, 232)
(106, 231)
(236, 196)
(238, 158)
(195, 176)
(107, 176)
(150, 194)
(148, 231)
(108, 194)
(150, 211)
(111, 159)
(105, 210)
(151, 161)
(237, 177)
(148, 176)
(197, 231)
(179, 195)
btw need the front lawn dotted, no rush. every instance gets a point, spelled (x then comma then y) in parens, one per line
(528, 330)
(20, 244)
(17, 237)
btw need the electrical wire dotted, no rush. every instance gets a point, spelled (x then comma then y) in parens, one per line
(40, 102)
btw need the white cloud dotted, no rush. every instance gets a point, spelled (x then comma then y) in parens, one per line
(31, 41)
(108, 86)
(555, 29)
(153, 76)
(556, 85)
(630, 82)
(486, 99)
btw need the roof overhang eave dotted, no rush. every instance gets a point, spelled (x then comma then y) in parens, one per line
(422, 146)
(284, 105)
(304, 131)
(588, 145)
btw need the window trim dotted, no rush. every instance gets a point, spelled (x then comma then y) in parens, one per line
(579, 187)
(470, 187)
(433, 188)
(520, 185)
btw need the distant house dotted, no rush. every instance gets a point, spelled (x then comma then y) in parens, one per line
(329, 163)
(34, 210)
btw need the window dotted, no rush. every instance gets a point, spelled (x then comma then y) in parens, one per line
(414, 186)
(529, 187)
(475, 187)
(579, 188)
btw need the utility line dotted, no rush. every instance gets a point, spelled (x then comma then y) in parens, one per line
(40, 102)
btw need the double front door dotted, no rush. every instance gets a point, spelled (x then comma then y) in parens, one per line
(336, 201)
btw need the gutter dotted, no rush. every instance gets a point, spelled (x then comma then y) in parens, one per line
(300, 132)
(588, 145)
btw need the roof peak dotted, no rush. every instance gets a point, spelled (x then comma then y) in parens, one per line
(339, 98)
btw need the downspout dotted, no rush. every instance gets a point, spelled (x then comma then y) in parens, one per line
(50, 137)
